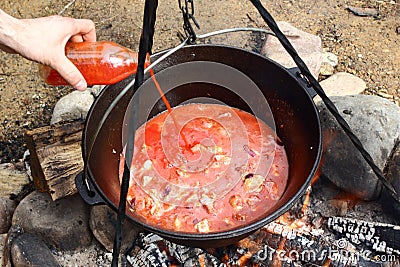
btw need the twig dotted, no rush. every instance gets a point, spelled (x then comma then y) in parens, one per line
(66, 7)
(9, 74)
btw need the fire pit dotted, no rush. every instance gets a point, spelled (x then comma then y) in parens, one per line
(312, 233)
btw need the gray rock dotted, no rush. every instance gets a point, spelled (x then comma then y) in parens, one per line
(389, 205)
(7, 208)
(376, 122)
(2, 243)
(28, 250)
(73, 106)
(63, 223)
(11, 179)
(14, 232)
(307, 45)
(102, 222)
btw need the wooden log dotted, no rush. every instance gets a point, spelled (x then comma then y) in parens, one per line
(56, 157)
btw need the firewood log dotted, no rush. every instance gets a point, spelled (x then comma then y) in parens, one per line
(56, 157)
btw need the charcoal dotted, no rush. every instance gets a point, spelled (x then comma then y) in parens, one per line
(147, 253)
(188, 256)
(265, 249)
(380, 237)
(152, 250)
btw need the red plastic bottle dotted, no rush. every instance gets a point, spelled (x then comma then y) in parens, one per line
(100, 63)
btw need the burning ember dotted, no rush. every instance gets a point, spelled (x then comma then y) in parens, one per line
(300, 237)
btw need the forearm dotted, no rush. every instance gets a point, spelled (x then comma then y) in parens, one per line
(8, 32)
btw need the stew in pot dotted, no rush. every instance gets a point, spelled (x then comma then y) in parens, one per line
(205, 168)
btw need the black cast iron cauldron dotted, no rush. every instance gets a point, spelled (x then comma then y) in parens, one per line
(295, 115)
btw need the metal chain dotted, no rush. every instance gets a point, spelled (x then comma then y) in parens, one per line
(188, 15)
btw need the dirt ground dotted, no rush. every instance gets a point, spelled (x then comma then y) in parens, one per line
(366, 46)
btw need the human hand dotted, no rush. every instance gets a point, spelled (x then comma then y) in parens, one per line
(43, 40)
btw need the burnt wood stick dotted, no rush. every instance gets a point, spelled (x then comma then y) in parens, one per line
(147, 253)
(56, 157)
(303, 250)
(380, 237)
(264, 249)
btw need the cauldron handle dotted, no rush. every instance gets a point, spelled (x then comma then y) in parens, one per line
(303, 82)
(91, 197)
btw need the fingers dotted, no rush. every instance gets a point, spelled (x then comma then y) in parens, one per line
(70, 73)
(76, 38)
(85, 29)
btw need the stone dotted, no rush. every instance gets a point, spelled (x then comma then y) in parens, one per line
(28, 250)
(330, 58)
(102, 222)
(14, 232)
(342, 83)
(329, 62)
(326, 69)
(392, 171)
(7, 207)
(12, 179)
(2, 244)
(364, 11)
(63, 223)
(307, 45)
(376, 122)
(73, 106)
(95, 90)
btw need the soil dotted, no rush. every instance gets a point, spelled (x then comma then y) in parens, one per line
(367, 47)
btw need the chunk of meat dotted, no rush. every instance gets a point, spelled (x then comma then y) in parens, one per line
(254, 183)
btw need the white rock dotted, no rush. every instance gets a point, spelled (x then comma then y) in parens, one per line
(307, 45)
(73, 106)
(330, 58)
(96, 89)
(341, 84)
(329, 62)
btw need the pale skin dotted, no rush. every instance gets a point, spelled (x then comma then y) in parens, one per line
(43, 40)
